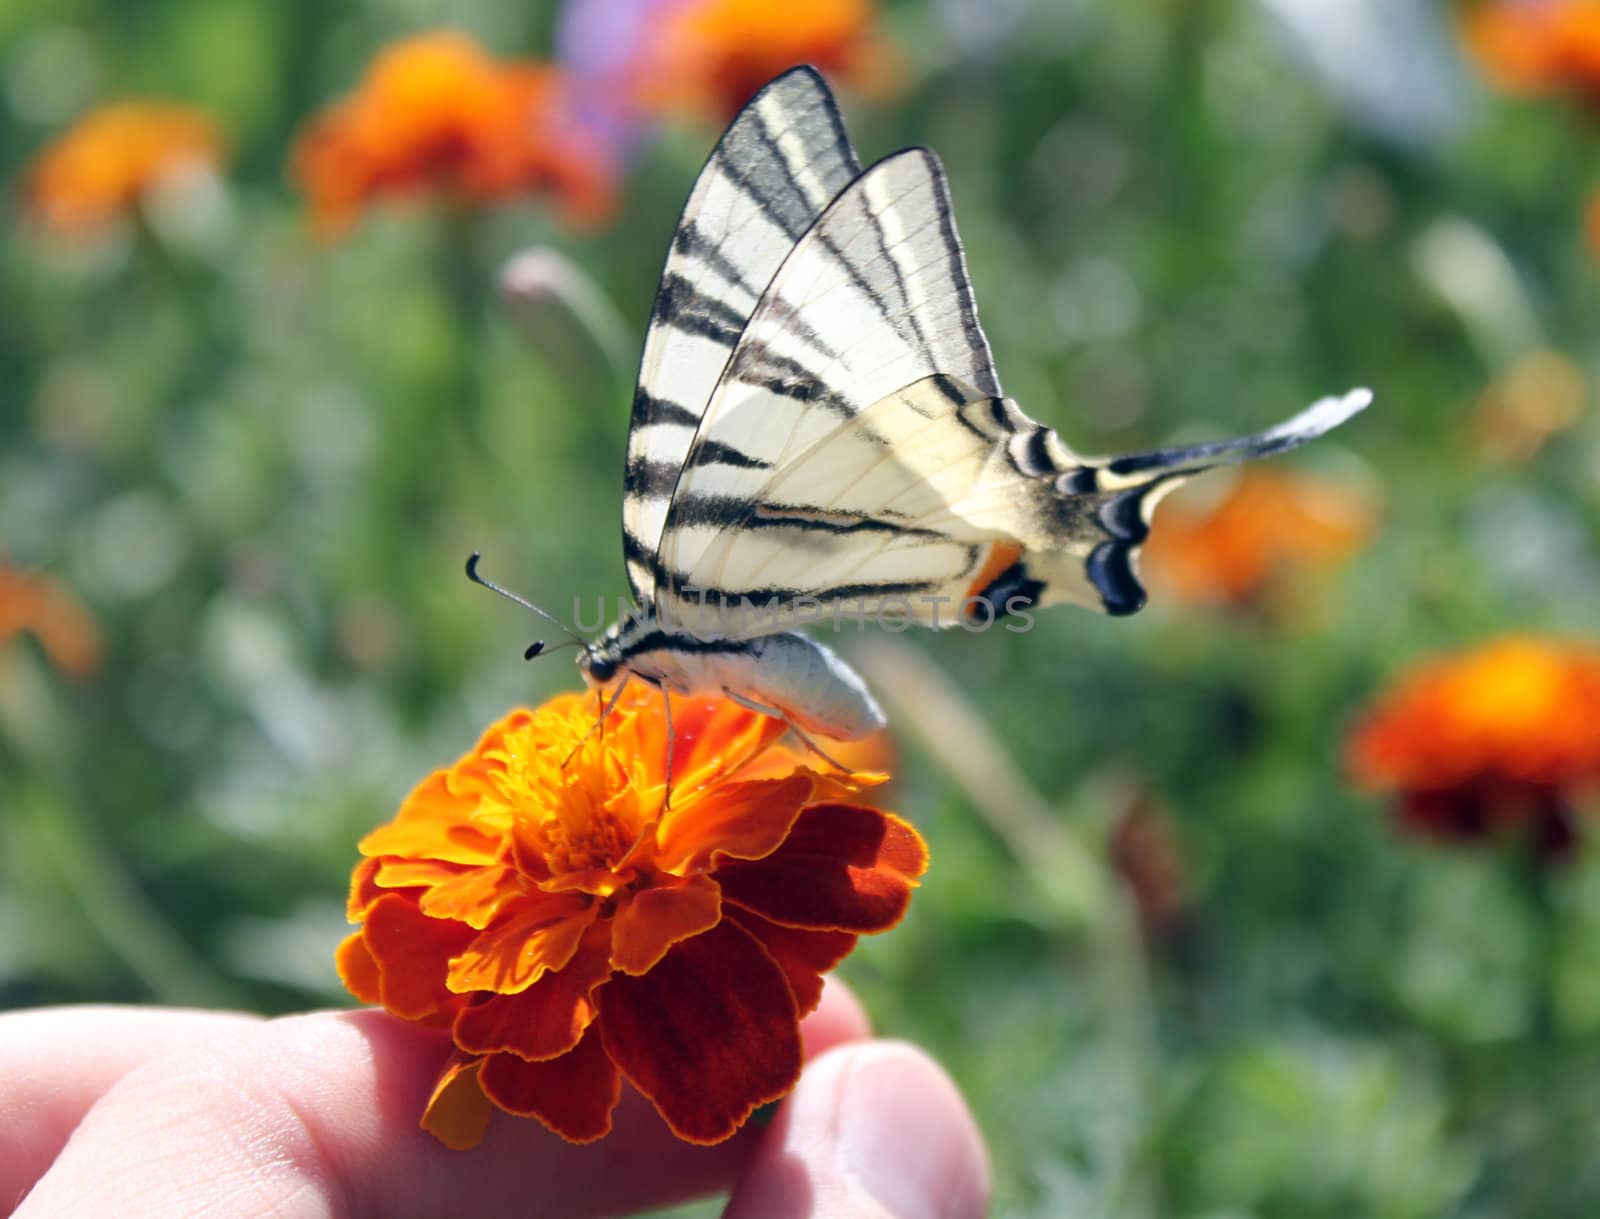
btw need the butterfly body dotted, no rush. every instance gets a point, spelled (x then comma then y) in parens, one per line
(783, 672)
(819, 432)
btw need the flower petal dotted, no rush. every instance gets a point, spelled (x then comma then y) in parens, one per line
(474, 897)
(395, 873)
(550, 1016)
(713, 737)
(710, 1034)
(736, 821)
(358, 970)
(573, 1095)
(433, 823)
(510, 957)
(411, 950)
(804, 956)
(364, 890)
(457, 1114)
(652, 921)
(843, 868)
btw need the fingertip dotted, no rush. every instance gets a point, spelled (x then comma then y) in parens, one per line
(874, 1128)
(839, 1018)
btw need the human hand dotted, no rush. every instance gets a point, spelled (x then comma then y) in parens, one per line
(148, 1112)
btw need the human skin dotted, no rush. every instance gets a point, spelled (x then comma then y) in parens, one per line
(147, 1112)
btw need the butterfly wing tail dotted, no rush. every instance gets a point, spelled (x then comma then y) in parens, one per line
(1124, 491)
(1321, 416)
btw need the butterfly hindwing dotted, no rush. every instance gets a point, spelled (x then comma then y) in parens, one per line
(779, 164)
(857, 452)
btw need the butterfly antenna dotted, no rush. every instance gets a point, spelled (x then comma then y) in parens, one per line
(538, 647)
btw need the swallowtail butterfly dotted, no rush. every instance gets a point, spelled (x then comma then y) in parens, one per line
(818, 425)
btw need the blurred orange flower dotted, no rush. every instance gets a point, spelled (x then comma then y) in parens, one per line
(51, 614)
(104, 166)
(710, 56)
(1498, 740)
(537, 900)
(1541, 395)
(437, 113)
(1533, 47)
(1269, 526)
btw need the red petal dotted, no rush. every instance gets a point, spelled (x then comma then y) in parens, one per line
(843, 868)
(412, 952)
(548, 1018)
(573, 1094)
(736, 821)
(804, 956)
(710, 1034)
(541, 935)
(652, 921)
(458, 1113)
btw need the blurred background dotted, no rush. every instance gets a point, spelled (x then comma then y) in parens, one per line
(1275, 900)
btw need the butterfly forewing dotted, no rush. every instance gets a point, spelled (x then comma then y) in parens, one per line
(780, 163)
(872, 299)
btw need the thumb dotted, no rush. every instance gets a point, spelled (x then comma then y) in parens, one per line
(874, 1130)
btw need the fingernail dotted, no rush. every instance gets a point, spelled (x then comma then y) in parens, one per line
(905, 1138)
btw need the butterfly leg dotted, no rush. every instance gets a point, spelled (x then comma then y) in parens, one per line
(666, 705)
(749, 704)
(599, 724)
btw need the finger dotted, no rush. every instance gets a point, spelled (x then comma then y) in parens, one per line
(55, 1062)
(317, 1115)
(873, 1131)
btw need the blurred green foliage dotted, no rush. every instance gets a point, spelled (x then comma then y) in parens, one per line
(260, 461)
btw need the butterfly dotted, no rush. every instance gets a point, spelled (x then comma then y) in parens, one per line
(818, 427)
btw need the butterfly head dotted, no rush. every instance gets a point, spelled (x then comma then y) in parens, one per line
(597, 667)
(602, 660)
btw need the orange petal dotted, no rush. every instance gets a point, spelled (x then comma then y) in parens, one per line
(844, 868)
(357, 969)
(473, 897)
(457, 1114)
(804, 956)
(364, 890)
(433, 824)
(573, 1095)
(412, 951)
(541, 934)
(549, 1017)
(654, 920)
(710, 1034)
(713, 737)
(415, 873)
(736, 820)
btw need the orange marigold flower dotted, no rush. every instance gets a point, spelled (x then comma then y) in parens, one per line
(104, 166)
(1268, 526)
(51, 614)
(1498, 740)
(537, 900)
(437, 113)
(1541, 395)
(1535, 47)
(712, 55)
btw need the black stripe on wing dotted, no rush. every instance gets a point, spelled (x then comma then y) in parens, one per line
(776, 167)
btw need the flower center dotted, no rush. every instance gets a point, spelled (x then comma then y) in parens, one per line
(580, 844)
